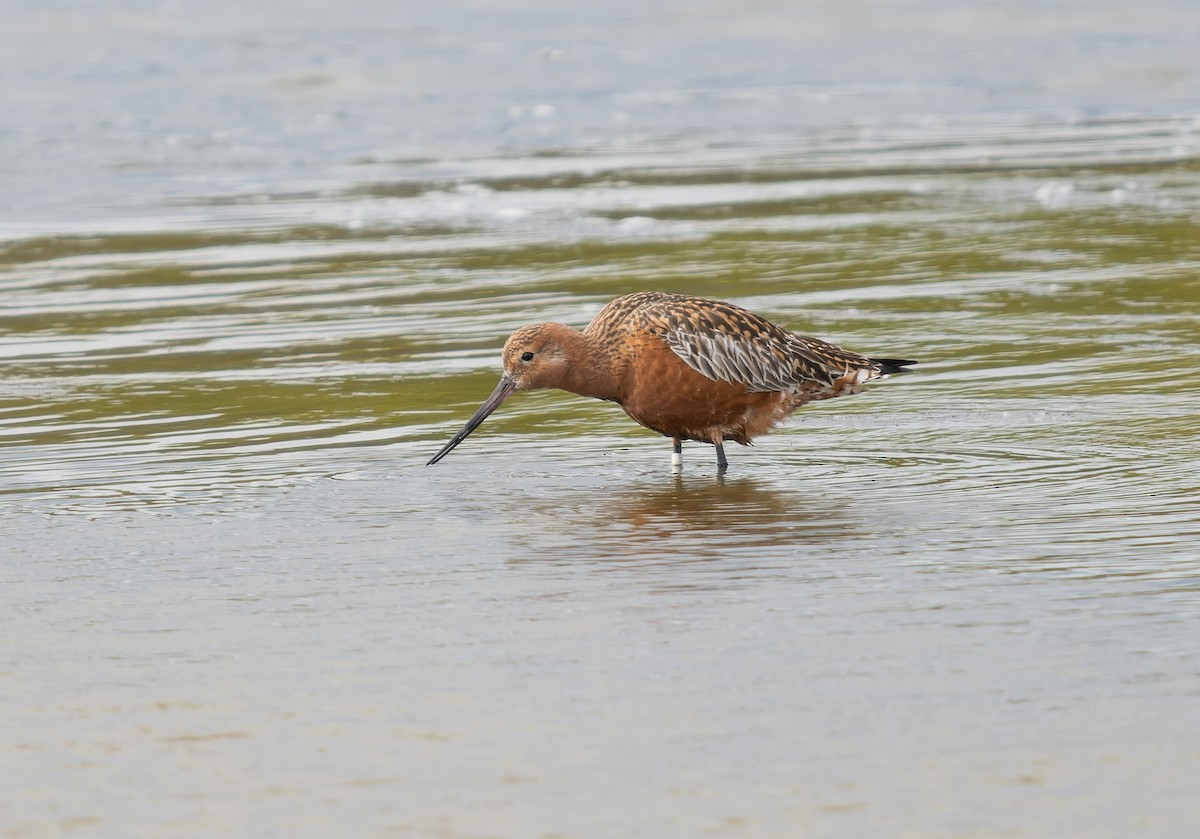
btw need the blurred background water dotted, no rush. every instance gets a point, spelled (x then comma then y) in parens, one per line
(256, 264)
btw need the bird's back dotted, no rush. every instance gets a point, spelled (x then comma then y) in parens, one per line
(727, 343)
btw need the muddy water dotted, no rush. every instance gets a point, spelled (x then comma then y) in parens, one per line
(235, 324)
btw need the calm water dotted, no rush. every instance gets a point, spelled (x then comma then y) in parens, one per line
(255, 270)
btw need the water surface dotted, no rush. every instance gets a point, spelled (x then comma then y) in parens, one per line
(236, 324)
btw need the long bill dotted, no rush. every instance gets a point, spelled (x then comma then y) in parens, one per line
(503, 390)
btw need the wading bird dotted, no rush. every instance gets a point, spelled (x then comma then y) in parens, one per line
(687, 367)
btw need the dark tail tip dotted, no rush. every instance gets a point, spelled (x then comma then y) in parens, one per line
(888, 366)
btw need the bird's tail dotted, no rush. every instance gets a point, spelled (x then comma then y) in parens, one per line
(888, 366)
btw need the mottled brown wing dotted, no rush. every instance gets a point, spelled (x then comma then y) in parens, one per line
(730, 344)
(761, 367)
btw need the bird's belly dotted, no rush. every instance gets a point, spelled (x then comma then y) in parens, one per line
(668, 396)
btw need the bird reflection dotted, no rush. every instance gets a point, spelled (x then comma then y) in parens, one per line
(743, 511)
(743, 525)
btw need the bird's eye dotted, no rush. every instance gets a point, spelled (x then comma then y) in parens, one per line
(527, 356)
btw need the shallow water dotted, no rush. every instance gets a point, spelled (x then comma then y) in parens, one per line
(236, 324)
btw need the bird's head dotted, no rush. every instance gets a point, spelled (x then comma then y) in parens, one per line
(537, 356)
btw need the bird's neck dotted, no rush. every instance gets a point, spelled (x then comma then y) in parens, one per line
(591, 368)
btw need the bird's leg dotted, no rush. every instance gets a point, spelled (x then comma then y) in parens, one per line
(677, 454)
(722, 463)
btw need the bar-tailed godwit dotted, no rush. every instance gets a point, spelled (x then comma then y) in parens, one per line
(686, 367)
